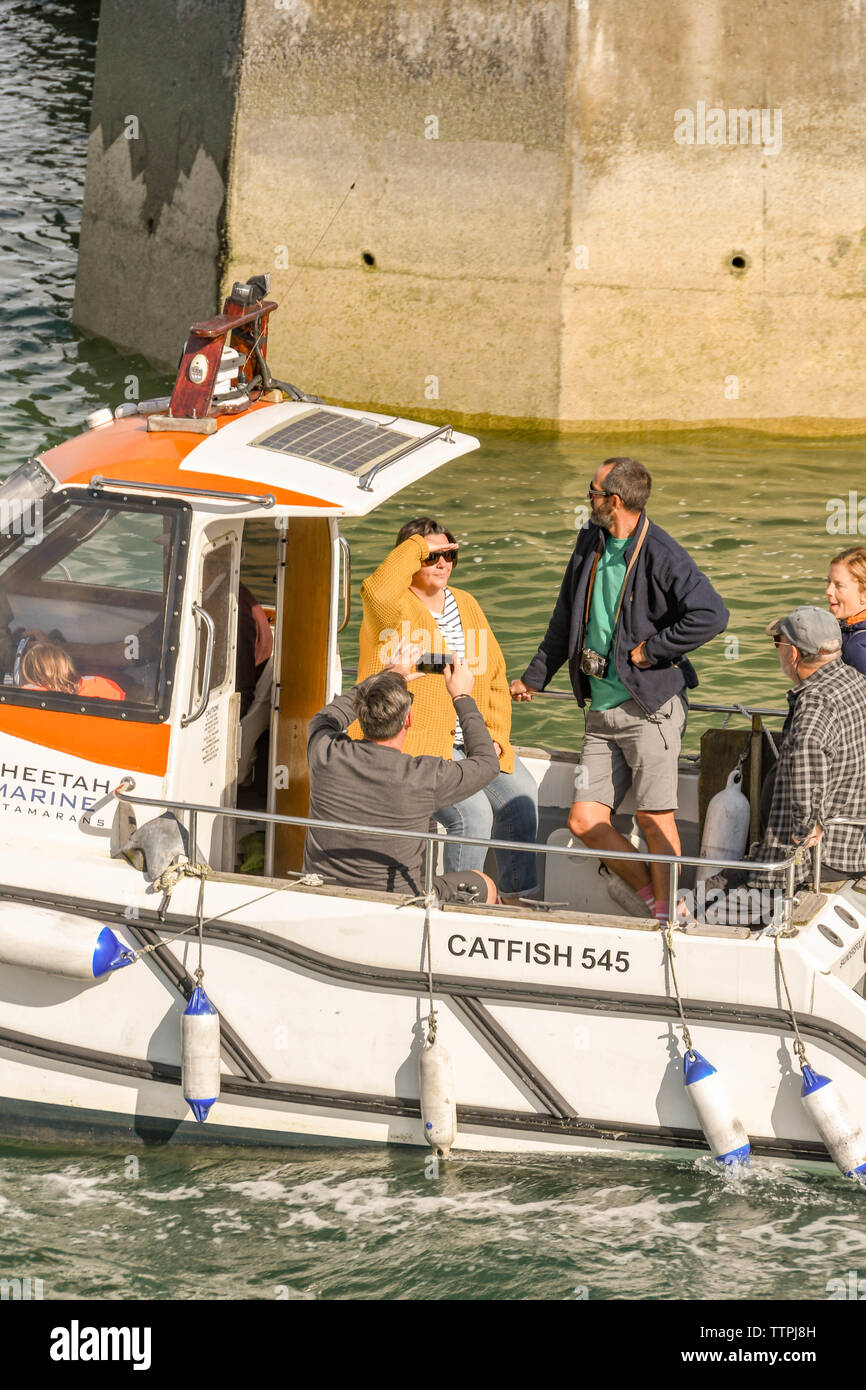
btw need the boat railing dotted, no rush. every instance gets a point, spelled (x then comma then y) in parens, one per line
(365, 482)
(695, 706)
(432, 839)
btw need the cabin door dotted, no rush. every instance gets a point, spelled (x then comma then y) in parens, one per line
(305, 664)
(207, 732)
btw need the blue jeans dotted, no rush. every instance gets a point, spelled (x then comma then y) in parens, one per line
(507, 809)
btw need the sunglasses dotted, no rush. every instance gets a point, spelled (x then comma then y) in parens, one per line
(781, 641)
(449, 555)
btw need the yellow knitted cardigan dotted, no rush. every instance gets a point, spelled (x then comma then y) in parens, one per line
(392, 613)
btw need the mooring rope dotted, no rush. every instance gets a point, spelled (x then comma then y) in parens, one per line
(799, 1046)
(666, 931)
(741, 709)
(196, 870)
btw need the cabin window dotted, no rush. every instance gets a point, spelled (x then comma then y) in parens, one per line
(217, 593)
(88, 606)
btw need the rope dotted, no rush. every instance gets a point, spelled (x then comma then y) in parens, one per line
(665, 929)
(428, 901)
(308, 880)
(199, 974)
(798, 1045)
(431, 1017)
(741, 709)
(174, 872)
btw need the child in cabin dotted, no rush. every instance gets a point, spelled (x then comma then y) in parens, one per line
(46, 666)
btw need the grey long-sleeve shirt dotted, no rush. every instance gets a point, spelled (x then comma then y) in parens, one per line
(356, 780)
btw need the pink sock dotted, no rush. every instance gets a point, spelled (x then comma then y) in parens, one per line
(647, 895)
(660, 911)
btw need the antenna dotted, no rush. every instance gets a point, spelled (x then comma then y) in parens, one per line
(319, 242)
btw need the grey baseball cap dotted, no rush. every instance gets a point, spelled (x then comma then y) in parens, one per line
(811, 629)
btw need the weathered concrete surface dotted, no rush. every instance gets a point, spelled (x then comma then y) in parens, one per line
(554, 255)
(153, 222)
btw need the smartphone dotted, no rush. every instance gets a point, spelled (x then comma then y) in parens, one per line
(434, 663)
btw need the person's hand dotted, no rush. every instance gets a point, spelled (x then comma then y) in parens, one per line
(811, 839)
(404, 661)
(497, 748)
(684, 913)
(639, 657)
(519, 691)
(459, 680)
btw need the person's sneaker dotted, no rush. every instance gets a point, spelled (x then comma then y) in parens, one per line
(624, 895)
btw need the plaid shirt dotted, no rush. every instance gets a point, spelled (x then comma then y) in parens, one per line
(821, 773)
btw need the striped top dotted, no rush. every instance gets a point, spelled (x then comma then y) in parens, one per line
(449, 624)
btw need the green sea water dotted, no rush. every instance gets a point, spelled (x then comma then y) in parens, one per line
(331, 1223)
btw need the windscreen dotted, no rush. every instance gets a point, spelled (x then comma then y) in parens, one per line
(84, 602)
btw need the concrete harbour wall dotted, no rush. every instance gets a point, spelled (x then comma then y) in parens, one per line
(580, 214)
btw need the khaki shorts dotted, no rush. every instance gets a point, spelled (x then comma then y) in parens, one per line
(624, 747)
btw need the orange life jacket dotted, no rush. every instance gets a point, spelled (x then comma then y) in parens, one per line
(92, 687)
(100, 688)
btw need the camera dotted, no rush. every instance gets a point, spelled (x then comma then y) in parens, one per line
(434, 663)
(591, 664)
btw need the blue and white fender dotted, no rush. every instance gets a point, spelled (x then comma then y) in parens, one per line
(59, 943)
(723, 1131)
(200, 1054)
(843, 1137)
(438, 1098)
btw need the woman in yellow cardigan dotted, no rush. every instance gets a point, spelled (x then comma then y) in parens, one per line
(408, 600)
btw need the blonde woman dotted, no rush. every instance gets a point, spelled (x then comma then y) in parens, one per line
(409, 599)
(846, 594)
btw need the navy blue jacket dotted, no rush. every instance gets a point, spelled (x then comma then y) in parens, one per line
(668, 604)
(854, 646)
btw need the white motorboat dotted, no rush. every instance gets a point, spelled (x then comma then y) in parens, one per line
(564, 1021)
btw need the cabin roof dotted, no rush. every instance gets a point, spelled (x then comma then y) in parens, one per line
(253, 454)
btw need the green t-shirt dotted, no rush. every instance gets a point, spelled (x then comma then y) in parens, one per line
(609, 576)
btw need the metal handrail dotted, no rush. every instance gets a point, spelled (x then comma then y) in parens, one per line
(365, 482)
(764, 712)
(252, 499)
(346, 582)
(210, 628)
(431, 838)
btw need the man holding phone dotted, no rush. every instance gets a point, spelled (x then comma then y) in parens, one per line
(374, 781)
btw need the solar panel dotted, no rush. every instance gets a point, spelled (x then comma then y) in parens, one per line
(338, 441)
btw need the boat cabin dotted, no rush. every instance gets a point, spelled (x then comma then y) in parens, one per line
(133, 641)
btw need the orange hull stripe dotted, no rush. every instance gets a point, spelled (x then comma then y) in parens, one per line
(109, 742)
(126, 450)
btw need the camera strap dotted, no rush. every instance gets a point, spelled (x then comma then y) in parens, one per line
(589, 588)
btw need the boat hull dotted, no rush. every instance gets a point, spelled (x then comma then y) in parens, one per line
(563, 1027)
